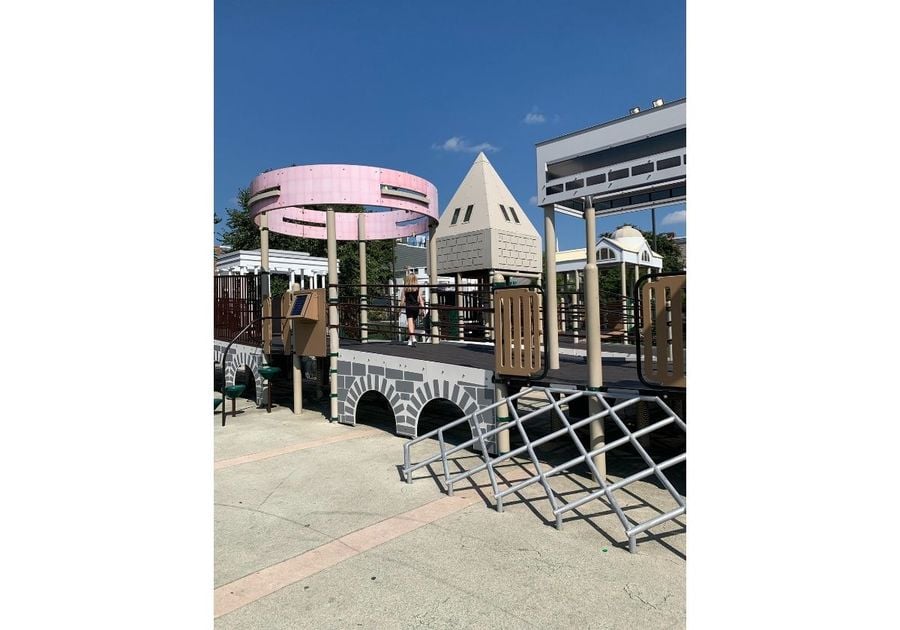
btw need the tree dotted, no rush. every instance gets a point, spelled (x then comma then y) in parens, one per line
(668, 249)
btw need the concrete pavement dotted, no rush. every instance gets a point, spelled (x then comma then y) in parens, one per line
(315, 529)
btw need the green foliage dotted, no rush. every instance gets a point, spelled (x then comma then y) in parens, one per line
(668, 249)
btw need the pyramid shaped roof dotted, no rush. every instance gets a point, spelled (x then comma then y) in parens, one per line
(484, 228)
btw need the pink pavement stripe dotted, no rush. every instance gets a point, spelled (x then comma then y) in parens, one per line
(248, 589)
(291, 448)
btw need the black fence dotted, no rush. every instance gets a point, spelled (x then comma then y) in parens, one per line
(462, 311)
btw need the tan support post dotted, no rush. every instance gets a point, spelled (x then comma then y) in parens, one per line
(363, 290)
(266, 288)
(550, 309)
(264, 249)
(500, 393)
(488, 279)
(459, 310)
(624, 289)
(296, 369)
(575, 302)
(592, 317)
(432, 280)
(333, 344)
(634, 296)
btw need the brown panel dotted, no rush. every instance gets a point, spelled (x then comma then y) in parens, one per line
(648, 293)
(527, 325)
(678, 342)
(666, 316)
(309, 335)
(517, 317)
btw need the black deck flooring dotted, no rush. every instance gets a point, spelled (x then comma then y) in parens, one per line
(617, 372)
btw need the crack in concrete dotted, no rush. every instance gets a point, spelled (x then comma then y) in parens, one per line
(281, 483)
(283, 518)
(634, 595)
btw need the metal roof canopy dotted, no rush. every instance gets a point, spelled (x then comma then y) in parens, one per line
(628, 164)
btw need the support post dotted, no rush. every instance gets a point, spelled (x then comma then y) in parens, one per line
(333, 330)
(363, 289)
(550, 301)
(592, 319)
(297, 368)
(459, 310)
(432, 280)
(502, 416)
(487, 286)
(266, 288)
(624, 289)
(577, 288)
(264, 251)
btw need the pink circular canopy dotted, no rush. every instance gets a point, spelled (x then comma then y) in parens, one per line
(411, 202)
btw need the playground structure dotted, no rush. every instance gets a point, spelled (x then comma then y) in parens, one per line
(621, 166)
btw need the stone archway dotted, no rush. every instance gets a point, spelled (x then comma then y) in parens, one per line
(240, 359)
(371, 382)
(434, 390)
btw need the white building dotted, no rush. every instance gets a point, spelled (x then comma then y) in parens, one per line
(309, 271)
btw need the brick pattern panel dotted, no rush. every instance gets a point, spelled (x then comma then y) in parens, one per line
(409, 385)
(240, 356)
(517, 251)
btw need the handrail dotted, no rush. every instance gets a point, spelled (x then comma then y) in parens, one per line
(225, 357)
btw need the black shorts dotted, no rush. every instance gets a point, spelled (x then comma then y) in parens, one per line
(412, 312)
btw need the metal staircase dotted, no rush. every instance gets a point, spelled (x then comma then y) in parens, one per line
(604, 492)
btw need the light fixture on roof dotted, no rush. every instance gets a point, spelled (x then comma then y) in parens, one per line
(657, 103)
(634, 110)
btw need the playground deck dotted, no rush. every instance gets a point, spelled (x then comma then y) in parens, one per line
(618, 373)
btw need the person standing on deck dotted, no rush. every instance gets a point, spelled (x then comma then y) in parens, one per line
(414, 301)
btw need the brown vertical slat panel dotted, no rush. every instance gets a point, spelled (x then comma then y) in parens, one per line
(663, 317)
(517, 318)
(527, 359)
(500, 339)
(507, 324)
(677, 310)
(662, 333)
(647, 293)
(516, 345)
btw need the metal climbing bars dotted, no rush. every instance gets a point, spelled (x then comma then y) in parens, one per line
(604, 492)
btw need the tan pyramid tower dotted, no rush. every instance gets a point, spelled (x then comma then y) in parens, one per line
(484, 230)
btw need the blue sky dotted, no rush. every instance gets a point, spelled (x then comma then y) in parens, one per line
(421, 86)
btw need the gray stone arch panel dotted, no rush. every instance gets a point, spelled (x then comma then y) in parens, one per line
(373, 383)
(240, 357)
(459, 397)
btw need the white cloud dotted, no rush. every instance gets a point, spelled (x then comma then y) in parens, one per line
(534, 117)
(675, 217)
(457, 145)
(532, 200)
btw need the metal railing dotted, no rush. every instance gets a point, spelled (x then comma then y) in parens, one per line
(617, 317)
(604, 492)
(237, 302)
(462, 313)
